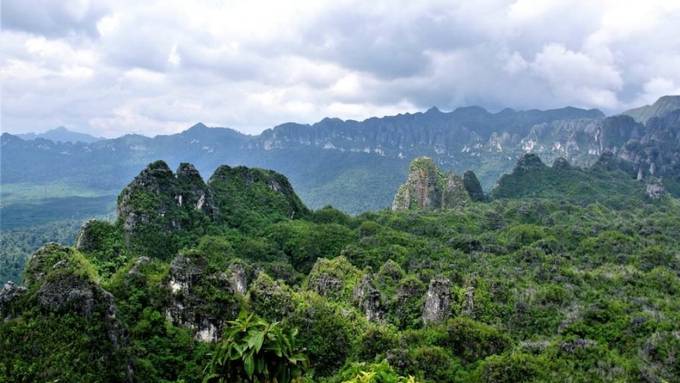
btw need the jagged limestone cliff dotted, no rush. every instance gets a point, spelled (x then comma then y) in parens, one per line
(427, 187)
(610, 180)
(160, 211)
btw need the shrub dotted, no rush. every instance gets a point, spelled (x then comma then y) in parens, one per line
(256, 351)
(472, 340)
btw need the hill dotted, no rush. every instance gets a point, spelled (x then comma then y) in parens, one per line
(660, 108)
(61, 134)
(608, 181)
(536, 288)
(358, 165)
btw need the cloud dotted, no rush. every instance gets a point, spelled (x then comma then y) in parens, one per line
(53, 18)
(154, 67)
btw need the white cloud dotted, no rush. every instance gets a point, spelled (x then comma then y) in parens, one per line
(113, 67)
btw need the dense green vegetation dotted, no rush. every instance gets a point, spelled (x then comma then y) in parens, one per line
(23, 215)
(535, 288)
(17, 244)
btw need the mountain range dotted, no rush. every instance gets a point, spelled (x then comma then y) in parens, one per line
(358, 165)
(61, 134)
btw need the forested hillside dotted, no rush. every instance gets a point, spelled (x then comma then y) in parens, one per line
(235, 279)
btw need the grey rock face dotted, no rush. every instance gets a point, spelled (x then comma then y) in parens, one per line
(158, 196)
(437, 306)
(139, 263)
(655, 189)
(326, 285)
(574, 345)
(192, 191)
(8, 294)
(238, 278)
(86, 240)
(188, 308)
(428, 188)
(70, 293)
(469, 305)
(369, 299)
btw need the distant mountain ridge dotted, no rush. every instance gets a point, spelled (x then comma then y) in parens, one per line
(61, 134)
(661, 107)
(358, 165)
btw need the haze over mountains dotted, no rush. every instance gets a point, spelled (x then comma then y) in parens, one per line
(358, 165)
(61, 134)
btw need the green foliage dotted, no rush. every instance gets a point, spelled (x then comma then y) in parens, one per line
(325, 332)
(270, 299)
(18, 244)
(371, 373)
(249, 196)
(58, 347)
(304, 242)
(256, 351)
(472, 341)
(533, 179)
(542, 289)
(334, 278)
(512, 367)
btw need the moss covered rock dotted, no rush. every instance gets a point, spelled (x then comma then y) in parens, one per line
(429, 188)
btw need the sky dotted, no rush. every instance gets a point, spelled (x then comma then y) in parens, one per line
(157, 67)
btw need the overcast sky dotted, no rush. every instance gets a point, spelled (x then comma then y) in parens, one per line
(153, 67)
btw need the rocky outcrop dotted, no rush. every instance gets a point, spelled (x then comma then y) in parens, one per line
(192, 192)
(160, 199)
(428, 188)
(159, 206)
(200, 300)
(271, 299)
(326, 284)
(9, 293)
(655, 189)
(561, 163)
(661, 107)
(333, 278)
(437, 307)
(60, 283)
(469, 301)
(93, 235)
(239, 189)
(473, 187)
(238, 278)
(368, 298)
(529, 162)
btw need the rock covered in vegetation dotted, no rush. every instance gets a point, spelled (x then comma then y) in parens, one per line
(437, 307)
(62, 283)
(609, 176)
(200, 300)
(473, 187)
(529, 162)
(9, 293)
(654, 189)
(242, 191)
(88, 239)
(561, 163)
(161, 211)
(333, 278)
(159, 202)
(407, 306)
(369, 299)
(238, 277)
(429, 188)
(271, 299)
